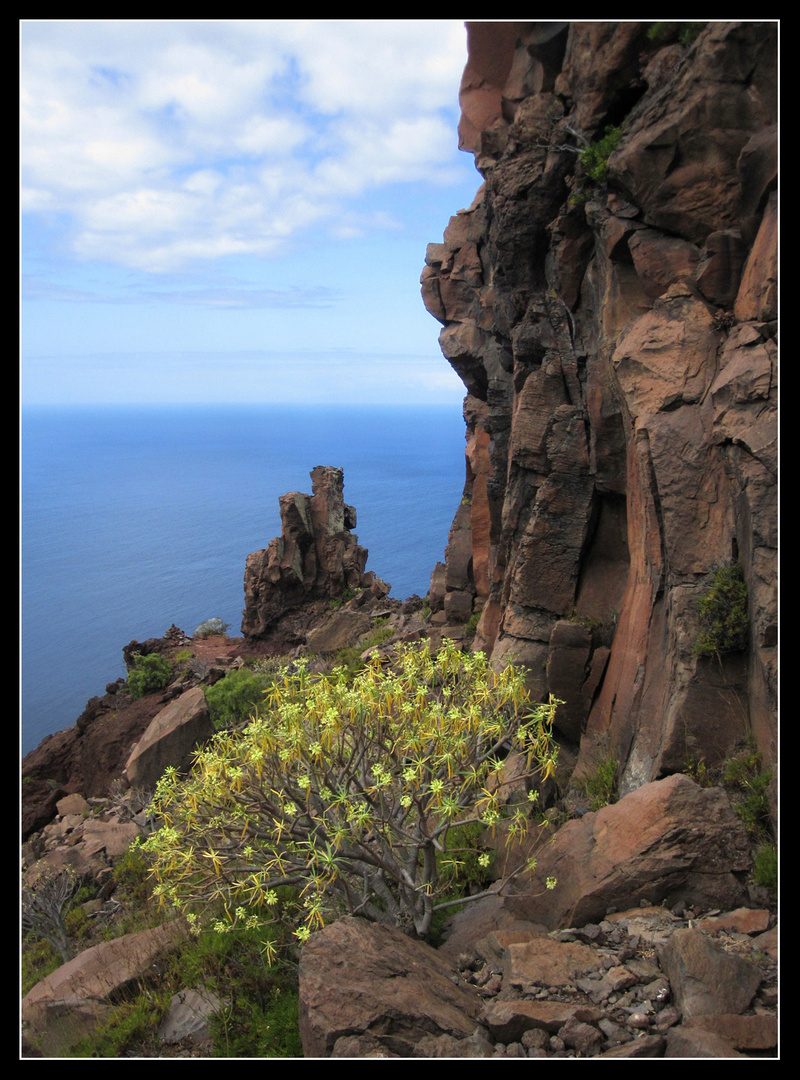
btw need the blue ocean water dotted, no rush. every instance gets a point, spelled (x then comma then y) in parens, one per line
(135, 518)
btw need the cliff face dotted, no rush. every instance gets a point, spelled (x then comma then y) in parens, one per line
(612, 312)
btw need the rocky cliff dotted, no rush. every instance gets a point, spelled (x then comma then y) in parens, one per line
(610, 302)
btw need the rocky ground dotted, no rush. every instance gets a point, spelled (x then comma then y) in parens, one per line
(675, 952)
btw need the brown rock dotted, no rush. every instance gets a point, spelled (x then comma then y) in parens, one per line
(705, 979)
(588, 338)
(759, 1032)
(509, 1020)
(170, 739)
(315, 557)
(547, 962)
(667, 840)
(358, 978)
(61, 1009)
(697, 1043)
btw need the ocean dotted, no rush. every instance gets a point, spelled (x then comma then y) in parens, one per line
(136, 518)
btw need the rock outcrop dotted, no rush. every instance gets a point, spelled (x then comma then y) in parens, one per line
(316, 557)
(611, 310)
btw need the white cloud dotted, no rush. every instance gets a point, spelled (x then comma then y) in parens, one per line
(169, 142)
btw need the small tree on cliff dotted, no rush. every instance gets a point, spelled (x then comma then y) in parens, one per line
(342, 797)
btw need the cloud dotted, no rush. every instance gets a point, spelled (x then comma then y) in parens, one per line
(166, 143)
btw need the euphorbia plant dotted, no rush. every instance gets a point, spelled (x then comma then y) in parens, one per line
(346, 792)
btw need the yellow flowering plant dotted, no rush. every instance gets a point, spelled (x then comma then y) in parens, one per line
(339, 796)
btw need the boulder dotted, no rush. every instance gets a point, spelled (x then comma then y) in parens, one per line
(365, 981)
(64, 1007)
(705, 979)
(170, 739)
(667, 840)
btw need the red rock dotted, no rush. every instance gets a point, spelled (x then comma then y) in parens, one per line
(315, 557)
(665, 840)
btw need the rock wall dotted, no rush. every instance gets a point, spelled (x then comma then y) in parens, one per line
(615, 328)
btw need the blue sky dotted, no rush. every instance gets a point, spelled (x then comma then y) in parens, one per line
(228, 211)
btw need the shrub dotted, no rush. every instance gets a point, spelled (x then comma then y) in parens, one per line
(46, 904)
(601, 787)
(660, 33)
(723, 613)
(765, 867)
(150, 672)
(210, 627)
(594, 157)
(743, 774)
(130, 1024)
(346, 792)
(232, 700)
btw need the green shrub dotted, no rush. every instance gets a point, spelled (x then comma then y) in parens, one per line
(660, 33)
(743, 774)
(601, 787)
(149, 673)
(132, 1023)
(698, 771)
(233, 699)
(765, 867)
(39, 959)
(723, 613)
(594, 157)
(210, 627)
(259, 1017)
(347, 792)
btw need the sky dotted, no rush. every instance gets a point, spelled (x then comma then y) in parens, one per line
(236, 210)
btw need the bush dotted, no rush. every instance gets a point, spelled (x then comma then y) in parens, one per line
(210, 627)
(765, 867)
(46, 904)
(743, 774)
(150, 672)
(601, 787)
(346, 793)
(232, 700)
(723, 613)
(594, 157)
(661, 33)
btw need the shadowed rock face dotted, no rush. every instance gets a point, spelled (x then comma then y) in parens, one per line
(617, 341)
(315, 557)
